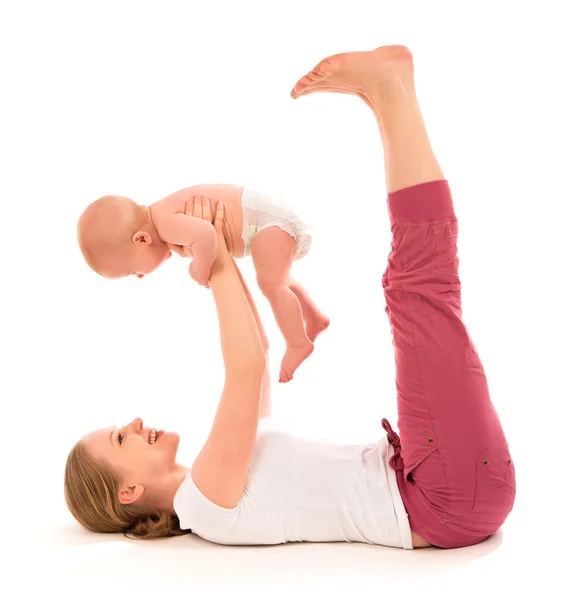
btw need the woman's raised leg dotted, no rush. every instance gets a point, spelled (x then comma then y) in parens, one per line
(453, 465)
(384, 79)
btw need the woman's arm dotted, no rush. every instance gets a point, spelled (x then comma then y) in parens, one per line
(240, 337)
(220, 469)
(266, 401)
(266, 397)
(243, 338)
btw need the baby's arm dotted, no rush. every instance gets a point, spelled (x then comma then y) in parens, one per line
(199, 235)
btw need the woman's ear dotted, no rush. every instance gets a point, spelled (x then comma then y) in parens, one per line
(142, 238)
(130, 493)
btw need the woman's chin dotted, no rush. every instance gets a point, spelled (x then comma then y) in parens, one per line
(170, 437)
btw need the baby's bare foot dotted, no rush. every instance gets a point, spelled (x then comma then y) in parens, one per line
(315, 326)
(294, 356)
(358, 72)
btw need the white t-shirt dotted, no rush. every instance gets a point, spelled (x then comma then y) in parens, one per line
(308, 490)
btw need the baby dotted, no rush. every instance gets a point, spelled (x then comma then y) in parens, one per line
(118, 237)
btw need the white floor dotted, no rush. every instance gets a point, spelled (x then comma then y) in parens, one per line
(64, 561)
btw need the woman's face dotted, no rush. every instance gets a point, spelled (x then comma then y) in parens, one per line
(140, 464)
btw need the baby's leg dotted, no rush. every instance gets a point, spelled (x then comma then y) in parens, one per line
(315, 321)
(273, 253)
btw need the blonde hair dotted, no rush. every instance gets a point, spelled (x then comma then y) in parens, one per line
(106, 227)
(91, 491)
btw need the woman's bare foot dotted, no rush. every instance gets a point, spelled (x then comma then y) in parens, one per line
(315, 326)
(330, 89)
(293, 358)
(359, 73)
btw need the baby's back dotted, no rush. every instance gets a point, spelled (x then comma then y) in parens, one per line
(229, 194)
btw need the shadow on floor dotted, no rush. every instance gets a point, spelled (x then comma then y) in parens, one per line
(71, 553)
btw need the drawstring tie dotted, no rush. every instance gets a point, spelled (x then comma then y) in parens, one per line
(395, 442)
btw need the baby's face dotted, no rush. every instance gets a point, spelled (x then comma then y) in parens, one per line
(148, 258)
(139, 260)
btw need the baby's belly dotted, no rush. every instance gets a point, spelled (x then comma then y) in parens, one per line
(231, 196)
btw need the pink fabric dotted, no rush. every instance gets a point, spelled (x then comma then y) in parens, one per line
(454, 468)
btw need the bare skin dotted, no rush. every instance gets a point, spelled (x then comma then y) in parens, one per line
(145, 237)
(384, 80)
(272, 252)
(315, 321)
(118, 238)
(298, 317)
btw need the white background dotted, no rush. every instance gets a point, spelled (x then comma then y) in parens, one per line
(144, 98)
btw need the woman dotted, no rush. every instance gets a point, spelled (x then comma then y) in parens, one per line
(448, 481)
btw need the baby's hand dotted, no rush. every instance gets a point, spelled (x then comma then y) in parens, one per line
(201, 277)
(194, 207)
(199, 207)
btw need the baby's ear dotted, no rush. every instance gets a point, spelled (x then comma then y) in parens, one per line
(142, 238)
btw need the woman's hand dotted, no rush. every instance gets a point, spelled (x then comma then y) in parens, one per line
(199, 207)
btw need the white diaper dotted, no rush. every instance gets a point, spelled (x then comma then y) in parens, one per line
(261, 211)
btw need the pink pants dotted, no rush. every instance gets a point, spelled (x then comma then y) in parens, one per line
(453, 464)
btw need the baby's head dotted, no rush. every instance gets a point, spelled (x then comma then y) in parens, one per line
(118, 238)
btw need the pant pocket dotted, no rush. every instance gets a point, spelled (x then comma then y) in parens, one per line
(496, 484)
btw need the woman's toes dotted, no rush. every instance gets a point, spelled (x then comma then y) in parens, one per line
(308, 81)
(300, 87)
(325, 67)
(316, 76)
(311, 80)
